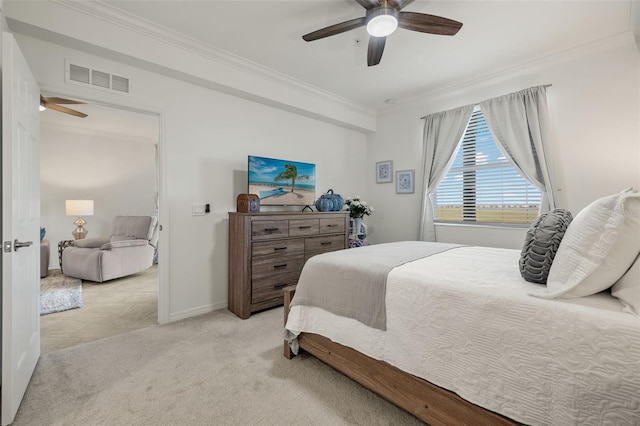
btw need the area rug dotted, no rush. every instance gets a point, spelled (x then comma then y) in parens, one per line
(59, 292)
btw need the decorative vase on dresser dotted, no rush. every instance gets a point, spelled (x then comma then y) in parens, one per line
(268, 250)
(358, 226)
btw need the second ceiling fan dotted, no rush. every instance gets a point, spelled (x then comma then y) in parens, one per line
(382, 18)
(52, 103)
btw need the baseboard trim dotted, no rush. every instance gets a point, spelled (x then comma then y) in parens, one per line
(188, 313)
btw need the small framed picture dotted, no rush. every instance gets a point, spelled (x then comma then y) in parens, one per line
(405, 181)
(384, 171)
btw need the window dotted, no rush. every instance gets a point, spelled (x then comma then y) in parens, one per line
(482, 186)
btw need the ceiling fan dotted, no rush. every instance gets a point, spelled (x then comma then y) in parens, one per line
(382, 18)
(52, 103)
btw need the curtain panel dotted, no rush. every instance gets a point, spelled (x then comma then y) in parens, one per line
(519, 122)
(442, 132)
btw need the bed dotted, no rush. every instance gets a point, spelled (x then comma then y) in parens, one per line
(464, 341)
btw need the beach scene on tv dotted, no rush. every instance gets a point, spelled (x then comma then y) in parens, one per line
(282, 182)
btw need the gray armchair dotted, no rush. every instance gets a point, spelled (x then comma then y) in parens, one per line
(128, 250)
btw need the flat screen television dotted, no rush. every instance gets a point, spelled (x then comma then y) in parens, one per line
(282, 182)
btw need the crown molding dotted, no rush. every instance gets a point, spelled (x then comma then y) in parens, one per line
(111, 14)
(567, 55)
(85, 131)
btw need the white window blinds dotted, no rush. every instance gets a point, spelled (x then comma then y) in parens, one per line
(482, 185)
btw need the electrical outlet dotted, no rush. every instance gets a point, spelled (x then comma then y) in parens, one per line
(197, 210)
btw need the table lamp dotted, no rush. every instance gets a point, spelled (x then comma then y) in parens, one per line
(79, 208)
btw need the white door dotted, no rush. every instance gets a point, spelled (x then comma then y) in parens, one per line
(20, 226)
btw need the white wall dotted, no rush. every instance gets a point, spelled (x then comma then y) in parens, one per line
(118, 174)
(207, 137)
(593, 107)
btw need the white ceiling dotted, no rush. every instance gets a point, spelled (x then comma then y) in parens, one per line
(496, 35)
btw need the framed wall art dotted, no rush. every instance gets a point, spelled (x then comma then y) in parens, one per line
(384, 171)
(405, 181)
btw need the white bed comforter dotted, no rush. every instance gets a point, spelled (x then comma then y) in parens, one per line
(464, 320)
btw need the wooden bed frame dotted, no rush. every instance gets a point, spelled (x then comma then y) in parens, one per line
(428, 402)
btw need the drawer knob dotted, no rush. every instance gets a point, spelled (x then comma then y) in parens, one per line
(270, 229)
(280, 248)
(284, 265)
(325, 243)
(331, 226)
(282, 285)
(304, 227)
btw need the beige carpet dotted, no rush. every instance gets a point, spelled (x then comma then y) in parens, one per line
(110, 308)
(215, 369)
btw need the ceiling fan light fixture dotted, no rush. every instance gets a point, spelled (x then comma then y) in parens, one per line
(382, 22)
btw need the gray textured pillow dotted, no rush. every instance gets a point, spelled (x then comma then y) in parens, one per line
(541, 244)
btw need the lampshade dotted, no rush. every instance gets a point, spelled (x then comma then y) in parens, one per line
(382, 25)
(78, 207)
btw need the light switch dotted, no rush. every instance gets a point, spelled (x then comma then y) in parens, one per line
(197, 210)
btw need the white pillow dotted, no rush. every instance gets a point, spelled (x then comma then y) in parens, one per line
(627, 289)
(598, 248)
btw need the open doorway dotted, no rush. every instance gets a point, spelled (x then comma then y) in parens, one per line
(110, 157)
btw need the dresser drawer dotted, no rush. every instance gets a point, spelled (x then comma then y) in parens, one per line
(261, 268)
(332, 226)
(315, 245)
(277, 248)
(303, 227)
(271, 287)
(269, 229)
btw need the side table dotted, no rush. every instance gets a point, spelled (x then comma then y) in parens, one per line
(44, 258)
(61, 246)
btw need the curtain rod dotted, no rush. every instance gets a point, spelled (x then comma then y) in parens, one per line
(476, 103)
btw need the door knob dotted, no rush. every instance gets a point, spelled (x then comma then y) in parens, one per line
(19, 244)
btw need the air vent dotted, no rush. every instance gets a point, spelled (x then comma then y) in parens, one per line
(98, 79)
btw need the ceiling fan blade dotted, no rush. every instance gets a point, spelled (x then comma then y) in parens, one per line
(369, 4)
(65, 110)
(59, 101)
(335, 29)
(399, 4)
(428, 23)
(376, 47)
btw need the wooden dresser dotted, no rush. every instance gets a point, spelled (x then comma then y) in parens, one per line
(267, 251)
